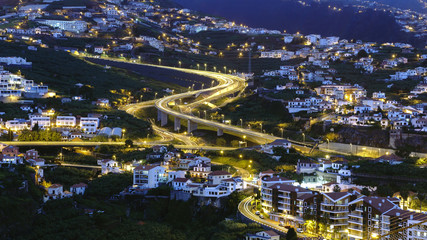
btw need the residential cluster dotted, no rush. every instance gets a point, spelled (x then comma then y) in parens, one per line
(13, 86)
(342, 214)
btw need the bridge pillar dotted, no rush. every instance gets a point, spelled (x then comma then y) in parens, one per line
(163, 119)
(159, 115)
(191, 126)
(177, 124)
(219, 132)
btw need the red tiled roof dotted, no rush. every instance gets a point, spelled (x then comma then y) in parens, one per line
(268, 171)
(145, 167)
(79, 185)
(180, 180)
(336, 195)
(271, 233)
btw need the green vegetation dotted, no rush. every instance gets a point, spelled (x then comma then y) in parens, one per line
(68, 176)
(12, 111)
(57, 69)
(79, 159)
(256, 109)
(260, 161)
(108, 185)
(93, 216)
(40, 135)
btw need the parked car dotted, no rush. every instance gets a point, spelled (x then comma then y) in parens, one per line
(257, 212)
(299, 230)
(261, 216)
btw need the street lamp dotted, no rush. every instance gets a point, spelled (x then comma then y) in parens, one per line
(225, 69)
(241, 123)
(303, 136)
(198, 66)
(206, 66)
(179, 62)
(123, 133)
(205, 114)
(214, 68)
(281, 131)
(222, 115)
(160, 61)
(261, 126)
(155, 95)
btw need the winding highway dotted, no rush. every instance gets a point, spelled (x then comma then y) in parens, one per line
(228, 84)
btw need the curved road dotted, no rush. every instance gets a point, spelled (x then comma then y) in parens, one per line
(244, 209)
(228, 84)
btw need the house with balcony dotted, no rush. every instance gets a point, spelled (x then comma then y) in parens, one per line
(413, 224)
(334, 207)
(201, 170)
(280, 201)
(216, 177)
(365, 215)
(149, 176)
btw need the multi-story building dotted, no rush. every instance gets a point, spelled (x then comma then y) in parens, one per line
(334, 207)
(65, 121)
(201, 170)
(42, 122)
(365, 215)
(149, 176)
(216, 177)
(70, 26)
(17, 124)
(413, 225)
(89, 124)
(280, 201)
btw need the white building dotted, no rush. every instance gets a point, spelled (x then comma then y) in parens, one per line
(89, 124)
(43, 122)
(70, 26)
(65, 121)
(149, 176)
(17, 124)
(78, 189)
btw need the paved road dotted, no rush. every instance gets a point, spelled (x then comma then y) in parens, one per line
(93, 144)
(79, 165)
(228, 85)
(244, 209)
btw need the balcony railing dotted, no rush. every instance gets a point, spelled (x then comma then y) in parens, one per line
(333, 209)
(355, 214)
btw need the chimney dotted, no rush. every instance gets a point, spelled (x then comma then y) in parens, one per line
(370, 201)
(398, 214)
(379, 204)
(383, 200)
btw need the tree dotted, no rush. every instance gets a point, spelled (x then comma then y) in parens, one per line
(128, 143)
(221, 142)
(337, 188)
(362, 54)
(235, 143)
(36, 127)
(404, 194)
(366, 192)
(291, 234)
